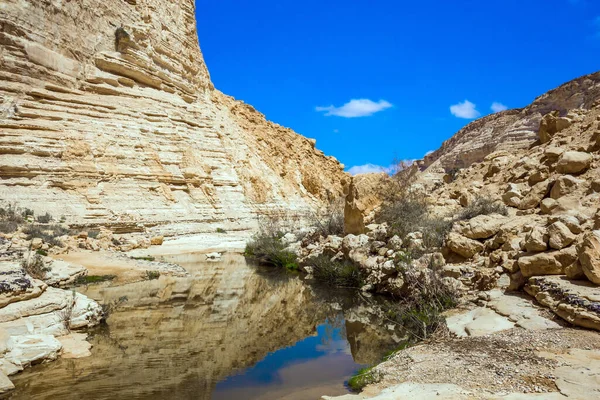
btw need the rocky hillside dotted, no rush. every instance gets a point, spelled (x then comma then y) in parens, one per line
(511, 129)
(108, 116)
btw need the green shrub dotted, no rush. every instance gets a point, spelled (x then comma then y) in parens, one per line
(268, 250)
(482, 206)
(144, 258)
(221, 230)
(343, 273)
(362, 378)
(89, 279)
(42, 252)
(93, 234)
(150, 275)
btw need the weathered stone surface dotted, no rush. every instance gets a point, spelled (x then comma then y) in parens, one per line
(535, 195)
(17, 285)
(353, 213)
(75, 345)
(463, 246)
(480, 321)
(574, 162)
(25, 350)
(133, 133)
(577, 302)
(551, 124)
(560, 236)
(480, 227)
(564, 185)
(540, 264)
(589, 256)
(537, 239)
(157, 240)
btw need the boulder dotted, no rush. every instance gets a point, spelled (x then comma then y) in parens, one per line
(574, 162)
(36, 243)
(548, 205)
(25, 350)
(541, 264)
(560, 236)
(512, 196)
(481, 226)
(564, 185)
(551, 124)
(353, 242)
(589, 256)
(463, 246)
(377, 231)
(395, 243)
(535, 195)
(537, 240)
(575, 271)
(157, 240)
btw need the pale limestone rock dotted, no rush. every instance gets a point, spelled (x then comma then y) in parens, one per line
(61, 272)
(5, 384)
(353, 242)
(157, 240)
(535, 195)
(589, 256)
(551, 124)
(480, 227)
(537, 239)
(75, 345)
(24, 350)
(17, 285)
(560, 236)
(573, 301)
(36, 243)
(574, 162)
(564, 185)
(463, 246)
(133, 134)
(480, 321)
(540, 264)
(548, 205)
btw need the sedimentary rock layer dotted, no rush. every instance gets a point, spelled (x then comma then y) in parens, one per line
(108, 116)
(512, 129)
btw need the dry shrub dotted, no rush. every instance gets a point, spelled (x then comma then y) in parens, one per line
(482, 206)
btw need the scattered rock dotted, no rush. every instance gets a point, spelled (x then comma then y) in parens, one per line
(574, 162)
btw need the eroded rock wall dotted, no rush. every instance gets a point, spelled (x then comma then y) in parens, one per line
(512, 129)
(108, 117)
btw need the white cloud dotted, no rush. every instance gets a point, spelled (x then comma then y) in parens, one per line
(368, 169)
(497, 107)
(356, 108)
(372, 168)
(465, 110)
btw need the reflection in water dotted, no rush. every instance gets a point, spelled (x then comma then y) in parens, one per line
(225, 332)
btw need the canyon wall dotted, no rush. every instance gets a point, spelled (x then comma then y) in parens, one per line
(108, 117)
(512, 129)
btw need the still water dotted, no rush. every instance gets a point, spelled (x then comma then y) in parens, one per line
(229, 331)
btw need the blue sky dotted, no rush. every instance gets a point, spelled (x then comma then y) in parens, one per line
(379, 80)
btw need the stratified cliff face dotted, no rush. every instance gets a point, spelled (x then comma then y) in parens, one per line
(512, 129)
(108, 116)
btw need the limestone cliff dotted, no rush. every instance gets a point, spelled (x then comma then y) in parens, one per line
(512, 129)
(108, 116)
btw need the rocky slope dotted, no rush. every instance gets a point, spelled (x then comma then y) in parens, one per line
(108, 117)
(511, 129)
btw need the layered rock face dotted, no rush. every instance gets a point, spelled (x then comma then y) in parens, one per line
(512, 129)
(108, 117)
